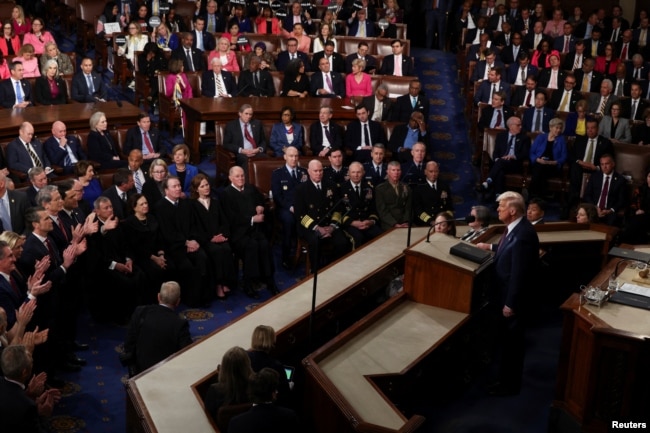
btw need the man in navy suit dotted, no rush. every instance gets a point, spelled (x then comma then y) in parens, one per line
(389, 65)
(325, 136)
(634, 106)
(291, 53)
(245, 137)
(595, 46)
(26, 152)
(362, 133)
(362, 53)
(203, 40)
(607, 190)
(156, 331)
(566, 43)
(488, 87)
(336, 61)
(145, 139)
(63, 150)
(359, 26)
(495, 115)
(524, 96)
(518, 72)
(81, 91)
(284, 181)
(407, 104)
(255, 81)
(538, 115)
(187, 47)
(510, 53)
(379, 104)
(326, 84)
(216, 82)
(8, 96)
(297, 16)
(584, 157)
(511, 149)
(120, 191)
(17, 203)
(214, 21)
(515, 259)
(566, 97)
(573, 60)
(483, 67)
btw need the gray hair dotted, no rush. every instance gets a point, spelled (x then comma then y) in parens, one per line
(44, 195)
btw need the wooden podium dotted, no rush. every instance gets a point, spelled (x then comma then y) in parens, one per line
(434, 277)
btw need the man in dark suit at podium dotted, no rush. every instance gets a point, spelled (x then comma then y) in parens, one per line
(515, 259)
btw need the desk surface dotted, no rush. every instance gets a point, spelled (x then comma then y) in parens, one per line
(623, 317)
(75, 116)
(390, 345)
(166, 390)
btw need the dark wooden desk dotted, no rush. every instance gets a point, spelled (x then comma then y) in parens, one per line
(199, 110)
(75, 116)
(603, 369)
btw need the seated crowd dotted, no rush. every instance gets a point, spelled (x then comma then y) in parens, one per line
(558, 95)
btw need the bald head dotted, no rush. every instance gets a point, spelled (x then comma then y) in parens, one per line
(315, 170)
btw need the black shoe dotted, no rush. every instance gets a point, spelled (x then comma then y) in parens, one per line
(74, 359)
(54, 382)
(78, 347)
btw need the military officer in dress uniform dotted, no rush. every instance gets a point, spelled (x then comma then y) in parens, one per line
(360, 220)
(284, 181)
(432, 197)
(318, 212)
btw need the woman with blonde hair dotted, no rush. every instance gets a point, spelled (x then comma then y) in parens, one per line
(181, 168)
(226, 55)
(20, 24)
(153, 186)
(62, 60)
(27, 57)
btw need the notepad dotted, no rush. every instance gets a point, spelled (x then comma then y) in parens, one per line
(635, 289)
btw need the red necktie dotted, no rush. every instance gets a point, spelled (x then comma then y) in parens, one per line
(249, 137)
(147, 142)
(50, 250)
(502, 240)
(603, 194)
(65, 235)
(624, 52)
(14, 286)
(527, 103)
(566, 45)
(499, 119)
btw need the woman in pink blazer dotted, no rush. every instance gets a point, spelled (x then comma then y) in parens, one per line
(177, 86)
(226, 55)
(38, 37)
(358, 83)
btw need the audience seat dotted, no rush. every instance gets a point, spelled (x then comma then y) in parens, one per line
(88, 11)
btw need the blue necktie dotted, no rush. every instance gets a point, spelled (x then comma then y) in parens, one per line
(19, 93)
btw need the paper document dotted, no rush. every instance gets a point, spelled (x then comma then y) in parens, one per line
(636, 289)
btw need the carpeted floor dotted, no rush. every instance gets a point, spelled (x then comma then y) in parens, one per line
(94, 399)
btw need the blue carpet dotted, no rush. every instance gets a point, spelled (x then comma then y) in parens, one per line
(448, 128)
